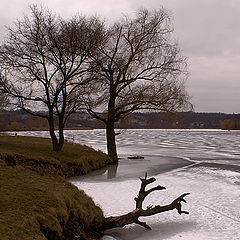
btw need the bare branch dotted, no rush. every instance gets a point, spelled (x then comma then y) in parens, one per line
(143, 193)
(132, 217)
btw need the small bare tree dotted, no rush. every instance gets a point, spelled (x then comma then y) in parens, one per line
(137, 67)
(45, 59)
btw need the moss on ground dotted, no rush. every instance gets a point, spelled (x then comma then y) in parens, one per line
(36, 203)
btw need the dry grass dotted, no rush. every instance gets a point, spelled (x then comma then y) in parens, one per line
(43, 207)
(35, 147)
(35, 202)
(36, 154)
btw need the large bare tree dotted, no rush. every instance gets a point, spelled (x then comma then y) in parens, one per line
(138, 67)
(45, 59)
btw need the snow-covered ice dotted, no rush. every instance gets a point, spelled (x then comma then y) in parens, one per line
(214, 205)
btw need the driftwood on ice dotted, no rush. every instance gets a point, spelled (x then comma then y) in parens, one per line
(133, 216)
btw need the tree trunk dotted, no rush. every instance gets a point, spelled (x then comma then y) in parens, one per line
(56, 144)
(61, 118)
(132, 217)
(111, 142)
(61, 136)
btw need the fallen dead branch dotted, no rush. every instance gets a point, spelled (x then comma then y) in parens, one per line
(133, 216)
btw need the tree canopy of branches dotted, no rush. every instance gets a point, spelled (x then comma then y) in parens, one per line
(138, 67)
(45, 59)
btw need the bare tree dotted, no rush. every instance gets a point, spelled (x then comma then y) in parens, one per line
(45, 59)
(137, 67)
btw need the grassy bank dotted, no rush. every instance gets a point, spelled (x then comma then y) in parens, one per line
(36, 203)
(36, 154)
(34, 207)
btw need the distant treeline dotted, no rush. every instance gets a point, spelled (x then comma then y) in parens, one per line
(19, 120)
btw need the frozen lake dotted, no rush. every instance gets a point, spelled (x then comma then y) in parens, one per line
(205, 163)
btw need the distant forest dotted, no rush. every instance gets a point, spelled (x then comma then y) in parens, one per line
(19, 120)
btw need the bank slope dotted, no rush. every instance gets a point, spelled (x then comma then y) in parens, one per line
(36, 154)
(36, 202)
(44, 207)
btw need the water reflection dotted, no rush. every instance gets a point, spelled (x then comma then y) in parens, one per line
(112, 171)
(134, 168)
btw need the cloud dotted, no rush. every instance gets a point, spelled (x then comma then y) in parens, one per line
(214, 83)
(207, 31)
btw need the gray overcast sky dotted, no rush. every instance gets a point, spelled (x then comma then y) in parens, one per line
(208, 31)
